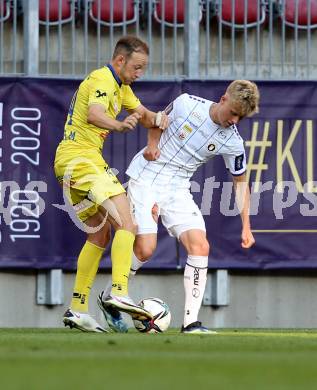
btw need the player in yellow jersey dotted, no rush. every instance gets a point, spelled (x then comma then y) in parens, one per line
(98, 198)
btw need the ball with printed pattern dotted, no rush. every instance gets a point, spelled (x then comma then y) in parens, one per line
(161, 316)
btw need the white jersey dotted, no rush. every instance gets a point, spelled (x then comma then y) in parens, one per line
(191, 139)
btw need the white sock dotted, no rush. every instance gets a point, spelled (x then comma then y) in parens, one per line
(135, 265)
(195, 276)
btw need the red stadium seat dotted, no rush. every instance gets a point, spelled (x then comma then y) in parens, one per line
(4, 10)
(123, 12)
(54, 12)
(235, 13)
(299, 17)
(164, 12)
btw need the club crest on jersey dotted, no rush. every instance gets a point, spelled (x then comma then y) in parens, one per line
(211, 147)
(185, 130)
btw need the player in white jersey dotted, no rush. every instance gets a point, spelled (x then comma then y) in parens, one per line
(191, 140)
(199, 130)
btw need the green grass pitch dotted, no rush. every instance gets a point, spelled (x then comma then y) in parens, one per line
(57, 359)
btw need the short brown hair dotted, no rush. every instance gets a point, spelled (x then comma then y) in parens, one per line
(128, 45)
(245, 93)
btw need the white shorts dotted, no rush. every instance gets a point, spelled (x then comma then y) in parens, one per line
(177, 208)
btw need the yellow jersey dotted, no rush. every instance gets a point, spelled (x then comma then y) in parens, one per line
(102, 86)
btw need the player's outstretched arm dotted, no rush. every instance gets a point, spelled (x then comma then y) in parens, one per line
(98, 117)
(151, 119)
(243, 202)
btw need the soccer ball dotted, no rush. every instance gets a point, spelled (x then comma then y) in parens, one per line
(161, 316)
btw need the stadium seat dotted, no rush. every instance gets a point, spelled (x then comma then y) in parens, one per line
(234, 13)
(4, 10)
(54, 12)
(164, 12)
(299, 17)
(123, 12)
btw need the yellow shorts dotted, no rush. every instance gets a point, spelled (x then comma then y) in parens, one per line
(86, 178)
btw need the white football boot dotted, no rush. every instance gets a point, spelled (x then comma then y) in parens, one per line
(125, 304)
(82, 321)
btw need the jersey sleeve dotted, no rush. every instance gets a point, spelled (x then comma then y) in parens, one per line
(99, 92)
(236, 162)
(172, 108)
(169, 110)
(130, 101)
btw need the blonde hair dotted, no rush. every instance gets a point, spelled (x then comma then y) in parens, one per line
(245, 95)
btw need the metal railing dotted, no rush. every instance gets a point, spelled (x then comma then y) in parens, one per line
(11, 38)
(280, 41)
(205, 39)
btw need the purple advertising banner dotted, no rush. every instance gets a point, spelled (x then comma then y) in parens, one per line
(36, 231)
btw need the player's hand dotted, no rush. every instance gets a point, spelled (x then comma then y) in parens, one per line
(151, 153)
(247, 239)
(130, 122)
(161, 120)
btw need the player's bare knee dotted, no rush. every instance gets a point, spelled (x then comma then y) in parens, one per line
(99, 238)
(199, 248)
(144, 253)
(127, 224)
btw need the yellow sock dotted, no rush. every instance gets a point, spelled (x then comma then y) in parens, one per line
(87, 267)
(121, 257)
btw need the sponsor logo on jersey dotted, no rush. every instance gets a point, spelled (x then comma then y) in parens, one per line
(195, 119)
(196, 115)
(188, 129)
(185, 130)
(195, 125)
(211, 147)
(238, 162)
(100, 94)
